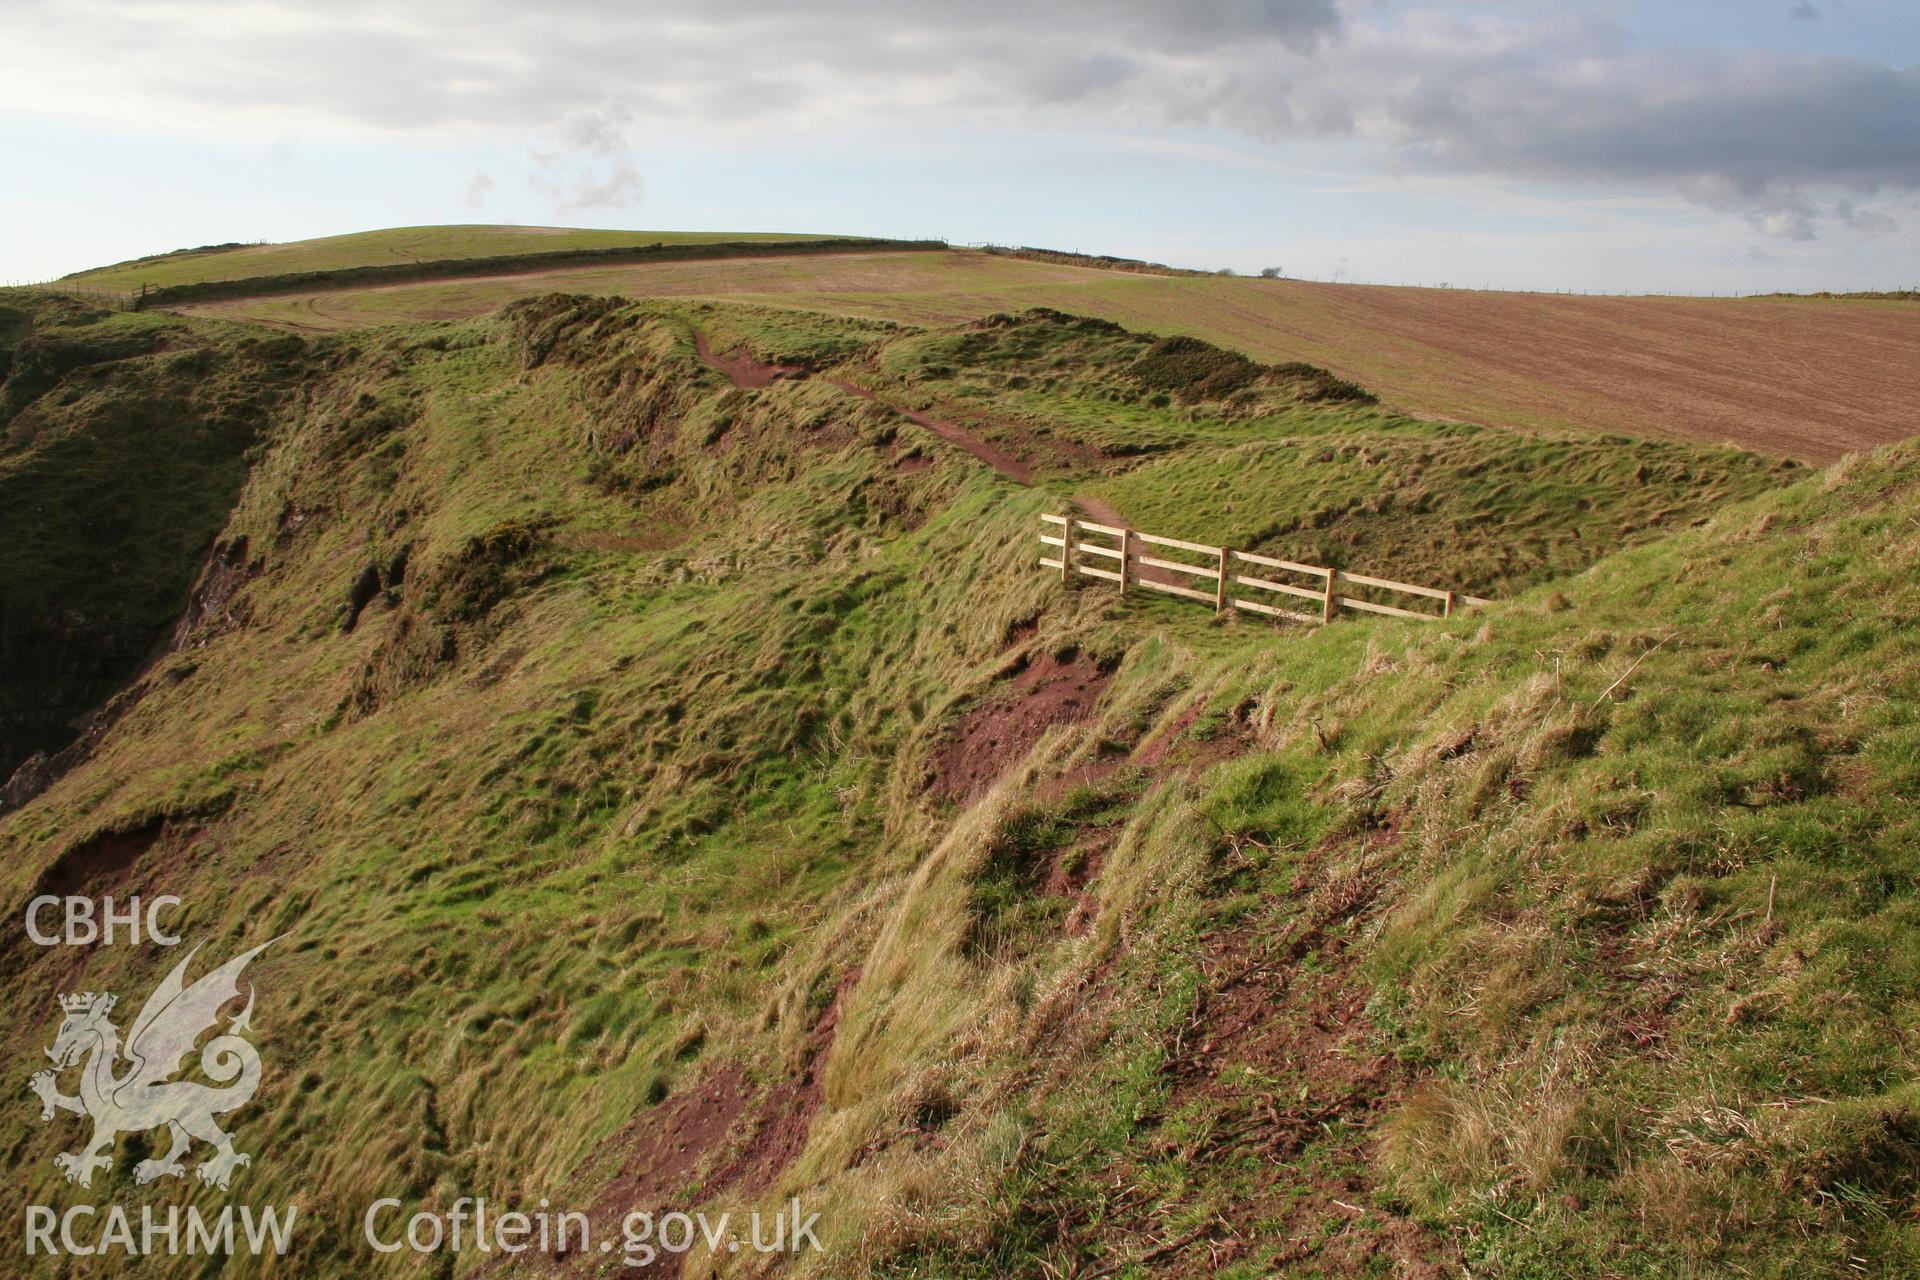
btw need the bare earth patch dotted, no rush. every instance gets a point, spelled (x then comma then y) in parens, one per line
(742, 369)
(722, 1135)
(1281, 1053)
(1003, 728)
(784, 1117)
(1278, 1081)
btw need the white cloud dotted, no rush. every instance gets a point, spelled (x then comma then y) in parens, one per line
(594, 168)
(479, 187)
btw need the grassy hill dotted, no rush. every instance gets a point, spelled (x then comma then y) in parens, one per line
(1796, 377)
(124, 441)
(680, 793)
(391, 247)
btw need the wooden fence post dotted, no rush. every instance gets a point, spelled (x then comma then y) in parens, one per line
(1134, 545)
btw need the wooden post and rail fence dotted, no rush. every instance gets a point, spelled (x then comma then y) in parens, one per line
(1226, 571)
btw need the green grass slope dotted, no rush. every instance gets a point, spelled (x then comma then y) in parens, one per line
(124, 441)
(1572, 941)
(395, 246)
(608, 740)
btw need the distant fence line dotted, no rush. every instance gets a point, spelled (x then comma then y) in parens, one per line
(118, 299)
(1132, 569)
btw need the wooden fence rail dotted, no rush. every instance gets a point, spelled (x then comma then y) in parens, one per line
(1224, 569)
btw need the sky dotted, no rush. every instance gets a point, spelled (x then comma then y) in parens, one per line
(1600, 145)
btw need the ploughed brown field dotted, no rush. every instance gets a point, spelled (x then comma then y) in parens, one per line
(1803, 378)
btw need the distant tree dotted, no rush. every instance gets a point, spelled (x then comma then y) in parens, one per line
(1270, 273)
(1224, 271)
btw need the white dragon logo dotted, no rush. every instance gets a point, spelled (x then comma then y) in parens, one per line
(145, 1097)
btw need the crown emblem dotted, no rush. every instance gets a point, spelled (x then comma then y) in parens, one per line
(87, 1002)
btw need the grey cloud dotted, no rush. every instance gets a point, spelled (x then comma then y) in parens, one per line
(1751, 134)
(1781, 210)
(502, 62)
(479, 187)
(1194, 27)
(1548, 91)
(598, 132)
(1076, 79)
(1753, 121)
(1867, 222)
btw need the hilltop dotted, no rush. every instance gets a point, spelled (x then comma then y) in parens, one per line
(679, 786)
(393, 246)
